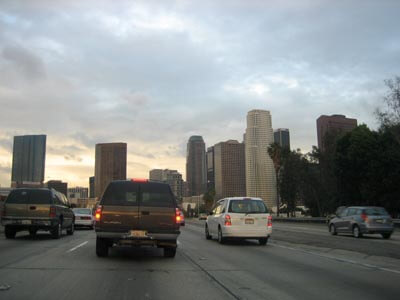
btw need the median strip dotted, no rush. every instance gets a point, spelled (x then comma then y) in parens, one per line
(76, 247)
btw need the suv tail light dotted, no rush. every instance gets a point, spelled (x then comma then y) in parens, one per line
(52, 211)
(98, 213)
(228, 220)
(269, 221)
(178, 217)
(364, 217)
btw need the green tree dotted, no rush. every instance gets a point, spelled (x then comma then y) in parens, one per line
(209, 198)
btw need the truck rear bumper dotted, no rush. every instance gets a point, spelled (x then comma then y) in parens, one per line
(27, 223)
(151, 239)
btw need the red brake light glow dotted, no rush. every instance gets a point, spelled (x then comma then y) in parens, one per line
(269, 221)
(364, 217)
(98, 212)
(139, 180)
(228, 220)
(178, 216)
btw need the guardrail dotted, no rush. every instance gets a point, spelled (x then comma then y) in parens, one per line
(319, 220)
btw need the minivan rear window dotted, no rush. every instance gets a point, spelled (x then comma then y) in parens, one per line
(157, 194)
(375, 211)
(24, 196)
(247, 207)
(121, 194)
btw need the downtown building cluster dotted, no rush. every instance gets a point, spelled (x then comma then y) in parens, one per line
(229, 168)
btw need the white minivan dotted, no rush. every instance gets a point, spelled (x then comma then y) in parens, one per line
(239, 217)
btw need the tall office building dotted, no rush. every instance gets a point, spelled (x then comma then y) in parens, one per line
(91, 187)
(29, 155)
(110, 164)
(196, 172)
(230, 169)
(282, 137)
(172, 177)
(334, 124)
(59, 186)
(260, 173)
(77, 193)
(210, 168)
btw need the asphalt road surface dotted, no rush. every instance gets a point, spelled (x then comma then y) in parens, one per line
(288, 267)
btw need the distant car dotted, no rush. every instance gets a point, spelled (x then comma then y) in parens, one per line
(202, 216)
(83, 217)
(34, 209)
(360, 220)
(239, 218)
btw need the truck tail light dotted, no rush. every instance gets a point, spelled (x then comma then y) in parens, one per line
(98, 213)
(269, 224)
(178, 217)
(52, 211)
(228, 220)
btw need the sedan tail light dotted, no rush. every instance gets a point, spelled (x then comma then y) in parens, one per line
(98, 213)
(269, 221)
(228, 220)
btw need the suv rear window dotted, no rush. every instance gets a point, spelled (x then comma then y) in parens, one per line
(157, 194)
(121, 194)
(29, 197)
(375, 211)
(247, 207)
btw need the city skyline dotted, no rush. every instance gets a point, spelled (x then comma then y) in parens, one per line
(154, 73)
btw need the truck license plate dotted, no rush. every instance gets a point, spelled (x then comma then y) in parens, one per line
(138, 233)
(26, 222)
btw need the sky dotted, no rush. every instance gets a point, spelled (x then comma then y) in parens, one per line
(153, 73)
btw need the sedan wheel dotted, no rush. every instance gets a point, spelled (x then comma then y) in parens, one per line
(221, 238)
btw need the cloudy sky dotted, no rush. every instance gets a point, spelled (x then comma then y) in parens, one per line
(153, 73)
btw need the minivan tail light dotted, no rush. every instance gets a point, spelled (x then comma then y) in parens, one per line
(269, 224)
(364, 217)
(98, 212)
(52, 211)
(228, 220)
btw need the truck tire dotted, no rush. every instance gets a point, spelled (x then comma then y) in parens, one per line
(101, 247)
(10, 232)
(70, 231)
(169, 251)
(56, 231)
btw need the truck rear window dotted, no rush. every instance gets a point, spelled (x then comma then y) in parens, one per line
(29, 197)
(247, 207)
(121, 194)
(157, 194)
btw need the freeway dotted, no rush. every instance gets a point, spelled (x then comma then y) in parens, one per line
(42, 268)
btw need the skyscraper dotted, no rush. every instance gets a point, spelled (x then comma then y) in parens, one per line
(282, 137)
(91, 187)
(110, 164)
(29, 155)
(260, 174)
(210, 168)
(334, 124)
(172, 177)
(58, 185)
(196, 174)
(230, 169)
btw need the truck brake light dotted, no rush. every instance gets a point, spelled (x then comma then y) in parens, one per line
(269, 221)
(52, 211)
(98, 212)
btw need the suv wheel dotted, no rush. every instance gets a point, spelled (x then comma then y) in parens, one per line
(386, 236)
(101, 247)
(169, 251)
(263, 241)
(356, 231)
(56, 231)
(10, 232)
(221, 238)
(32, 232)
(71, 230)
(208, 236)
(332, 229)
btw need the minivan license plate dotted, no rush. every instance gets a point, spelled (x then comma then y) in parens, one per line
(249, 221)
(138, 233)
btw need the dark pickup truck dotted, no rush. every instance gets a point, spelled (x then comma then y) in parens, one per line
(34, 209)
(137, 213)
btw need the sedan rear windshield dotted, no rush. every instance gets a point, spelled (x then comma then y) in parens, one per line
(375, 211)
(24, 196)
(247, 207)
(82, 211)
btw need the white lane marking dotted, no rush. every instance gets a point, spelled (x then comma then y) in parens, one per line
(349, 261)
(76, 247)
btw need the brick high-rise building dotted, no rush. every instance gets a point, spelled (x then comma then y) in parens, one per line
(58, 185)
(29, 155)
(230, 169)
(110, 164)
(210, 169)
(334, 124)
(260, 172)
(196, 171)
